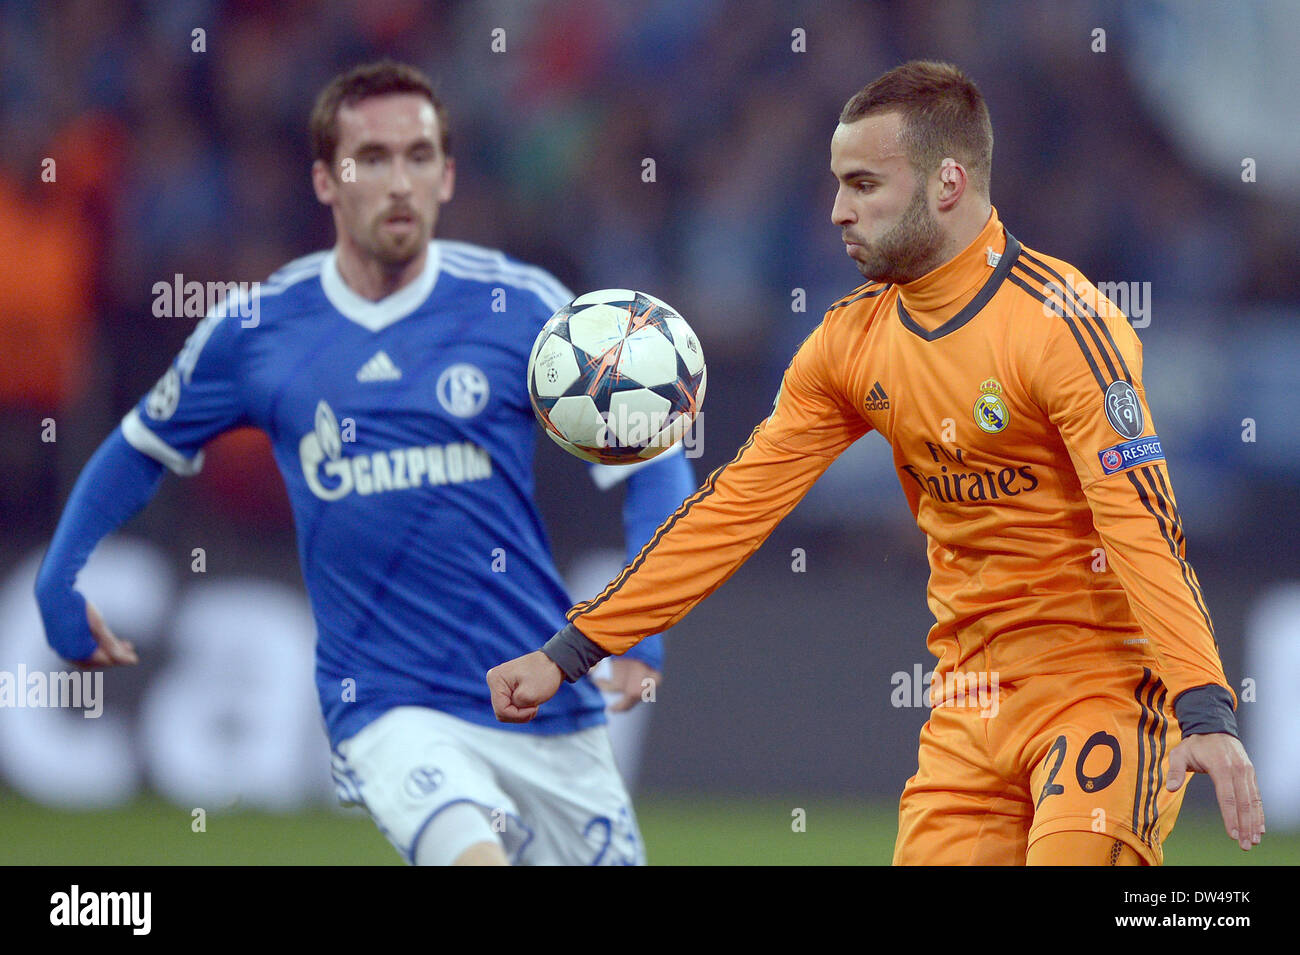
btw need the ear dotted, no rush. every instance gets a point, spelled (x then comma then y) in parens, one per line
(448, 185)
(952, 183)
(322, 181)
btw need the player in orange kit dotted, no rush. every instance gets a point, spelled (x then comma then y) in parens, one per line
(1078, 678)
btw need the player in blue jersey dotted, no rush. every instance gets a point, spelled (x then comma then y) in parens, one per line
(389, 373)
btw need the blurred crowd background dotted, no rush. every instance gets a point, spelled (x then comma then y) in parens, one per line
(1163, 151)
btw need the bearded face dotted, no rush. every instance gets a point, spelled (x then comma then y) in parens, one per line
(882, 206)
(390, 177)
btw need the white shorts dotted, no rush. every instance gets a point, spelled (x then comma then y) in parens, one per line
(552, 800)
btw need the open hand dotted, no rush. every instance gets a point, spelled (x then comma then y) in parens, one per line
(111, 652)
(1224, 759)
(627, 678)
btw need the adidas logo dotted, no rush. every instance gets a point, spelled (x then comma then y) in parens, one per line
(876, 399)
(379, 368)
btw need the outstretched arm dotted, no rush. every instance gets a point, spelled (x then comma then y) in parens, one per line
(196, 399)
(116, 483)
(706, 539)
(653, 490)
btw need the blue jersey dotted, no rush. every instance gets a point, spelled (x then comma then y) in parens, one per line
(405, 436)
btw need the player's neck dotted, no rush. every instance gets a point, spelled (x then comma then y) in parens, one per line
(974, 220)
(371, 279)
(939, 294)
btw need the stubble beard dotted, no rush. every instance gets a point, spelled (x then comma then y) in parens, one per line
(395, 254)
(907, 251)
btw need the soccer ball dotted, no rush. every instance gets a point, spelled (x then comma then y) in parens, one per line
(616, 376)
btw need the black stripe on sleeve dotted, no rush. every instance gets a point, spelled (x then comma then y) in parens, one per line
(1167, 495)
(1197, 592)
(1070, 303)
(1086, 307)
(1175, 531)
(1173, 548)
(1059, 310)
(870, 293)
(616, 584)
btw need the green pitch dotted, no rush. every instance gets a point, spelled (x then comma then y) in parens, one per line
(697, 830)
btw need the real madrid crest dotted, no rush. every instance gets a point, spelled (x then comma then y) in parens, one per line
(990, 409)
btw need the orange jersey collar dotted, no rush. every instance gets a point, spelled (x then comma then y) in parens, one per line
(940, 294)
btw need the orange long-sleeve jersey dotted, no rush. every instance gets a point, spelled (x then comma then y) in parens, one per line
(1011, 394)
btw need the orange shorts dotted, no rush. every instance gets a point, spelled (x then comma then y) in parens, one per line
(1082, 752)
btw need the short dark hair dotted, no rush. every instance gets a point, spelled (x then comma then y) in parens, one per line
(943, 114)
(362, 82)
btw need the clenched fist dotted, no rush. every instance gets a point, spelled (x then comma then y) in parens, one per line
(521, 685)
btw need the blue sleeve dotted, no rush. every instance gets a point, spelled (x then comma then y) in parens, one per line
(198, 397)
(113, 487)
(653, 493)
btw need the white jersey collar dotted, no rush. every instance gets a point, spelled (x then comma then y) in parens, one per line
(377, 316)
